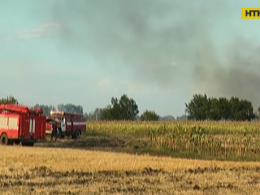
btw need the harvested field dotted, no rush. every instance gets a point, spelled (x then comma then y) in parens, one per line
(39, 170)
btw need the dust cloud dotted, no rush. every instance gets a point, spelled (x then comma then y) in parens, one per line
(166, 43)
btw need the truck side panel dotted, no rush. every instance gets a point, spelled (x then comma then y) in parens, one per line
(9, 125)
(32, 127)
(24, 127)
(74, 124)
(79, 124)
(69, 125)
(40, 126)
(3, 124)
(13, 122)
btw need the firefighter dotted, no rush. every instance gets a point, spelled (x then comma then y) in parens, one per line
(54, 131)
(60, 132)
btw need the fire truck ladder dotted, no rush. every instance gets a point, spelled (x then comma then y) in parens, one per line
(63, 113)
(14, 108)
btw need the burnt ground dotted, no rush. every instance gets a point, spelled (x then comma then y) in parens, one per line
(98, 143)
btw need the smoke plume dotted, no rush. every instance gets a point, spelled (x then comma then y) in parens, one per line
(166, 43)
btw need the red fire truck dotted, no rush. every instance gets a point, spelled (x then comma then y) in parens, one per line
(69, 124)
(20, 124)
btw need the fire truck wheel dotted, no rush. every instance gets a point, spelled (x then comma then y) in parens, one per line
(17, 142)
(76, 134)
(4, 139)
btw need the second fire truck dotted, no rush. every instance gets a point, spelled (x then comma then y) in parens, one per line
(69, 124)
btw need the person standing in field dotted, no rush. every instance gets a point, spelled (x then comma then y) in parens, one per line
(54, 132)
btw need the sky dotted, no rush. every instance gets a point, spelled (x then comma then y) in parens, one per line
(158, 52)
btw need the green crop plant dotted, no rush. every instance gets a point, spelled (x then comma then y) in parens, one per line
(221, 139)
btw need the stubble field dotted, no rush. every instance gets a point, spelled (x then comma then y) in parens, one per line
(112, 158)
(76, 171)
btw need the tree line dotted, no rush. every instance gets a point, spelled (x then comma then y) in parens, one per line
(63, 107)
(200, 107)
(124, 108)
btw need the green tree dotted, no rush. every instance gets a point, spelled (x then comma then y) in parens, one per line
(213, 111)
(107, 113)
(115, 109)
(149, 116)
(128, 108)
(234, 103)
(71, 108)
(124, 108)
(224, 108)
(201, 108)
(94, 115)
(197, 108)
(258, 112)
(9, 100)
(246, 110)
(45, 108)
(241, 109)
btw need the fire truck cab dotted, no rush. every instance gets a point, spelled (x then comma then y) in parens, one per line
(69, 124)
(20, 124)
